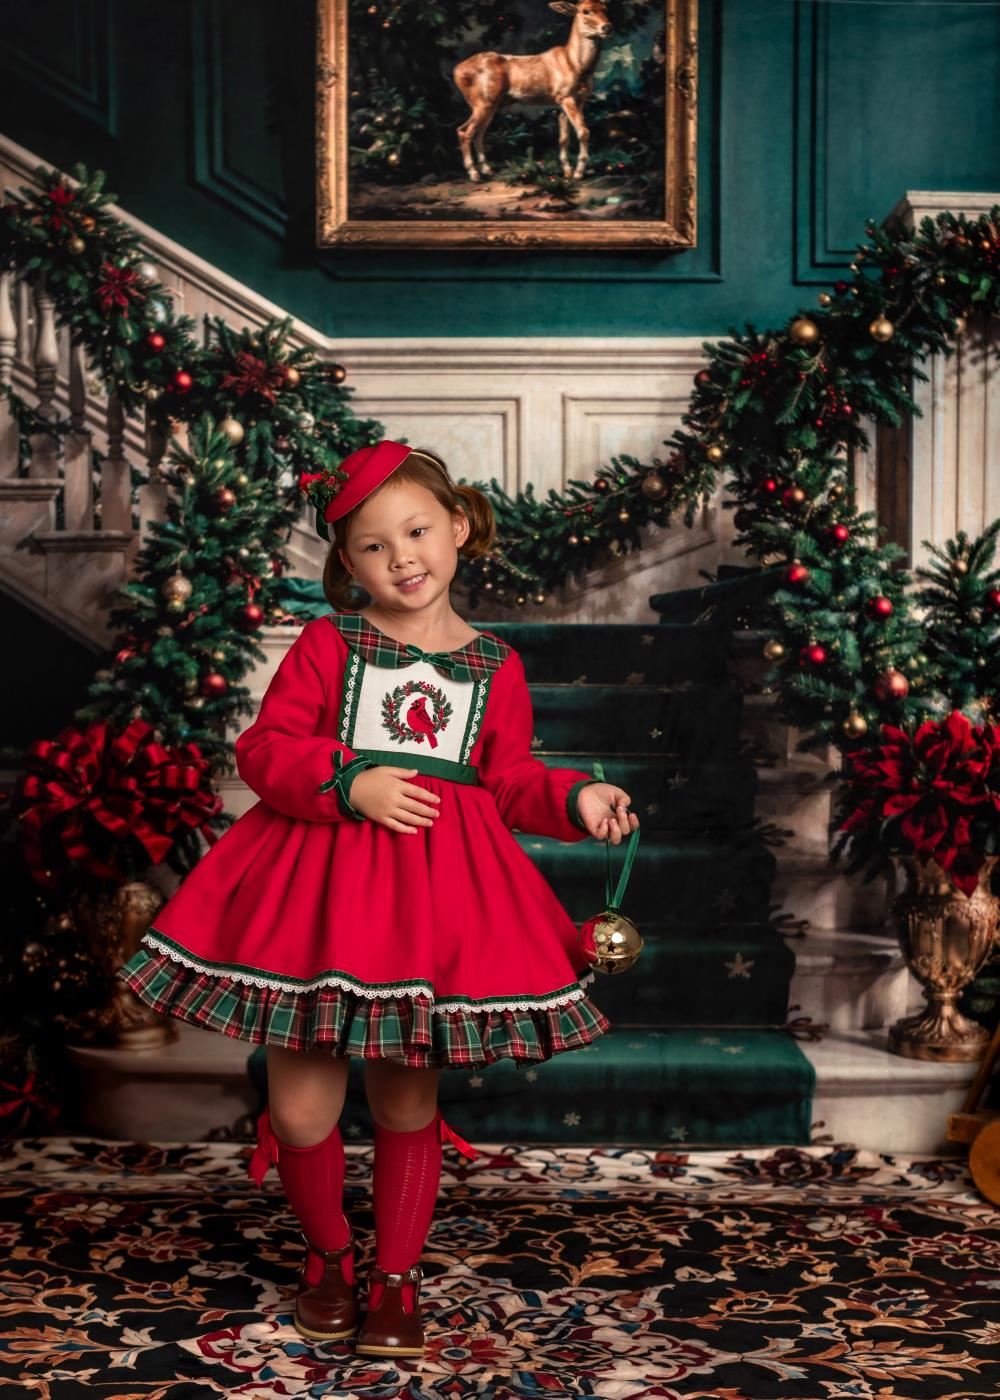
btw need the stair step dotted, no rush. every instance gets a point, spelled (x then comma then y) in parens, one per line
(872, 1099)
(815, 888)
(608, 652)
(690, 980)
(673, 793)
(696, 720)
(677, 879)
(850, 980)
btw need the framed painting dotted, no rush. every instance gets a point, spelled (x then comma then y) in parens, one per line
(521, 123)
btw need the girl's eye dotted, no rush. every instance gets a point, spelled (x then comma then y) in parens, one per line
(415, 529)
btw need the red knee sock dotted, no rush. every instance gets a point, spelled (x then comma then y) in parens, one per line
(313, 1178)
(405, 1180)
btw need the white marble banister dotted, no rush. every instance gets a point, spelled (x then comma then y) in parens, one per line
(955, 446)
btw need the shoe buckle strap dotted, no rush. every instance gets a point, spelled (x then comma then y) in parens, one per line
(413, 1274)
(327, 1254)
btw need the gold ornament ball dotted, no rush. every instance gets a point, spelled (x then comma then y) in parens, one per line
(881, 328)
(824, 298)
(773, 650)
(76, 245)
(624, 515)
(190, 685)
(152, 393)
(654, 488)
(959, 566)
(88, 223)
(940, 279)
(538, 598)
(292, 375)
(147, 272)
(393, 158)
(521, 600)
(233, 430)
(960, 325)
(178, 588)
(218, 655)
(803, 331)
(855, 725)
(615, 940)
(195, 702)
(242, 479)
(573, 539)
(714, 453)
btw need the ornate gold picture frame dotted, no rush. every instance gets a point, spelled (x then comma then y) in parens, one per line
(538, 123)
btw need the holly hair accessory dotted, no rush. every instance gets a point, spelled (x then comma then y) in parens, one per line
(610, 941)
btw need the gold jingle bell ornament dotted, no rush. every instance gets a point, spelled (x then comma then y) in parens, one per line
(610, 941)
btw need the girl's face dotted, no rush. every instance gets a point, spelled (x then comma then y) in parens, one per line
(403, 532)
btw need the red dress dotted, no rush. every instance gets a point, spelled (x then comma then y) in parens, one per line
(308, 924)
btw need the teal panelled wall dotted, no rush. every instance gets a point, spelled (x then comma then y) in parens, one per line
(812, 117)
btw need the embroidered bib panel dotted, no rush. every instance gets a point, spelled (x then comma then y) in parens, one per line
(411, 710)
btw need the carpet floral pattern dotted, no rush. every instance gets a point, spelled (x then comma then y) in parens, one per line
(817, 1273)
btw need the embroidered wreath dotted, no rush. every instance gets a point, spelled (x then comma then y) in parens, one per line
(392, 704)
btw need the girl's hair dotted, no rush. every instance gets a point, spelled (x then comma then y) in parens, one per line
(426, 469)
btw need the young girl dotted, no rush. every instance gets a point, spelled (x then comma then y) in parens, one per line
(374, 901)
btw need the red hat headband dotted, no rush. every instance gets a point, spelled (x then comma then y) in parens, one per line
(333, 494)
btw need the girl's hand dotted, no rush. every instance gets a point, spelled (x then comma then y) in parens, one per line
(382, 794)
(594, 803)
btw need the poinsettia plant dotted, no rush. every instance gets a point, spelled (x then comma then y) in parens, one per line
(930, 794)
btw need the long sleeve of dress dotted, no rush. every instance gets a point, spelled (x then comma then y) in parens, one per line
(530, 796)
(281, 757)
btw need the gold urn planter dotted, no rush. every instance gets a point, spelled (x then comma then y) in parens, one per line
(113, 923)
(946, 936)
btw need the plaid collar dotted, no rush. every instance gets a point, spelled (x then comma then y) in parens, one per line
(484, 654)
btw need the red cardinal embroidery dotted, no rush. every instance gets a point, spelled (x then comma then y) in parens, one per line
(420, 721)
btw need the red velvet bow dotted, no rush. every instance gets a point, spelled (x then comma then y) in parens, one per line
(83, 788)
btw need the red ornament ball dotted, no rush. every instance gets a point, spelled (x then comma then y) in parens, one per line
(156, 341)
(124, 655)
(703, 377)
(769, 486)
(796, 573)
(251, 617)
(813, 655)
(880, 606)
(839, 535)
(183, 381)
(992, 600)
(225, 499)
(214, 684)
(891, 685)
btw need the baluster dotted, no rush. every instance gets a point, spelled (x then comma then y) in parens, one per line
(116, 485)
(25, 318)
(9, 446)
(78, 486)
(153, 492)
(44, 446)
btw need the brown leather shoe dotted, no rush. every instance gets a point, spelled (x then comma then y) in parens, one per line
(326, 1311)
(388, 1330)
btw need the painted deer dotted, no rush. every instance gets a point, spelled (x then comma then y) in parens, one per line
(561, 76)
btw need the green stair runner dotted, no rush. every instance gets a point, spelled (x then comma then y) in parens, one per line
(696, 1053)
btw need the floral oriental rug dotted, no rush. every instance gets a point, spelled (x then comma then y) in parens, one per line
(135, 1272)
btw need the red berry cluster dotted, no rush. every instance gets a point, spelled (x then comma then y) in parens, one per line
(764, 364)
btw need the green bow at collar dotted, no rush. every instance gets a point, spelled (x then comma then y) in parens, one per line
(443, 660)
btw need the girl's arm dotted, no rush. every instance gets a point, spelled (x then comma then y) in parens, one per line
(530, 796)
(280, 757)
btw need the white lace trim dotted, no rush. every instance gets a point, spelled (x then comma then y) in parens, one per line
(418, 989)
